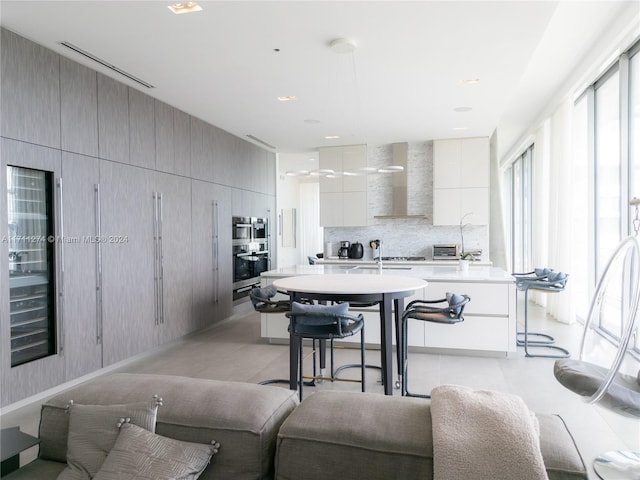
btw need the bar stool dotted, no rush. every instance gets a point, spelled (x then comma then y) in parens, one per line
(324, 322)
(448, 312)
(261, 298)
(542, 280)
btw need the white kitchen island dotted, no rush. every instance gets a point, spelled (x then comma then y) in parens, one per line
(490, 317)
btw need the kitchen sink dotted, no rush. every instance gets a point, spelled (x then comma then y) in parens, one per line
(375, 267)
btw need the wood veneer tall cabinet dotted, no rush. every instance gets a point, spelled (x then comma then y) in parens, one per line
(135, 185)
(212, 296)
(29, 378)
(129, 296)
(82, 295)
(461, 181)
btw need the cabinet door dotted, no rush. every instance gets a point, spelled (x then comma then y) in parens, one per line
(330, 158)
(354, 158)
(175, 250)
(30, 80)
(211, 253)
(128, 297)
(34, 376)
(355, 209)
(476, 202)
(113, 119)
(142, 139)
(446, 163)
(331, 208)
(446, 206)
(474, 162)
(83, 333)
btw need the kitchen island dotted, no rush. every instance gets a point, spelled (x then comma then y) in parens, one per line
(490, 317)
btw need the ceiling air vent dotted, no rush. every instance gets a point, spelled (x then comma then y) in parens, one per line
(262, 142)
(104, 63)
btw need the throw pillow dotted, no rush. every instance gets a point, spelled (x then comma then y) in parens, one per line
(93, 430)
(141, 455)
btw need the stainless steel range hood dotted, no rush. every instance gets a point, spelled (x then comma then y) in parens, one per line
(400, 192)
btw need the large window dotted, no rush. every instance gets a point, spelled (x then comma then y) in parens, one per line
(519, 178)
(606, 143)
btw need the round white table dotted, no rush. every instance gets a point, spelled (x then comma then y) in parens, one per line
(374, 288)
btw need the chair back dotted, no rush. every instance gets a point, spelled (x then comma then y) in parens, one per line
(323, 321)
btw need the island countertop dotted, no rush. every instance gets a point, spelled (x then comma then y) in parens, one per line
(433, 273)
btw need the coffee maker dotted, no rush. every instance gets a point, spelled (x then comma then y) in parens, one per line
(343, 252)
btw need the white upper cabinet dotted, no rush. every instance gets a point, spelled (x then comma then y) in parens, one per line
(461, 181)
(343, 198)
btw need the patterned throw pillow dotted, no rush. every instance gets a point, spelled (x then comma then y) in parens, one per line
(141, 455)
(93, 430)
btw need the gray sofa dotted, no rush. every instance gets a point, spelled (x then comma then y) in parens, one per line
(265, 433)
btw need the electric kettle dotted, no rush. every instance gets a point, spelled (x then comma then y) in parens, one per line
(356, 250)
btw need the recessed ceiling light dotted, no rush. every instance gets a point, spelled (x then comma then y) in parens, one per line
(288, 98)
(332, 137)
(469, 81)
(184, 7)
(462, 109)
(460, 128)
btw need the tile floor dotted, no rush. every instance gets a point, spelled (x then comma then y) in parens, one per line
(234, 350)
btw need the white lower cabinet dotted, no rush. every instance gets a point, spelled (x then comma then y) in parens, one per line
(489, 325)
(489, 318)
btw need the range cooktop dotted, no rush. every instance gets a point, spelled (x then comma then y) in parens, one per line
(403, 259)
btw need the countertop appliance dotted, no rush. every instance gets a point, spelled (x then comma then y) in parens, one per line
(356, 250)
(343, 252)
(446, 251)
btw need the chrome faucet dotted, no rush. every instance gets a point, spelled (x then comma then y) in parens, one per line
(378, 245)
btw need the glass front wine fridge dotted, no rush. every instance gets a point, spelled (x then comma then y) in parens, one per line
(31, 264)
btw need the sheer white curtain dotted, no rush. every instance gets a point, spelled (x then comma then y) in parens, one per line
(552, 220)
(309, 220)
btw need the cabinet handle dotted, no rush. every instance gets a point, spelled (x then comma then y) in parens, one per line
(60, 288)
(155, 255)
(98, 232)
(160, 263)
(216, 272)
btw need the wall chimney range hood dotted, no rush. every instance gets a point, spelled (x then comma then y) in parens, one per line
(400, 192)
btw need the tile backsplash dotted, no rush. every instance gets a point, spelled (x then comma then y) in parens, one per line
(406, 236)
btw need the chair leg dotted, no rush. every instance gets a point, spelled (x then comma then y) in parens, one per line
(300, 374)
(405, 362)
(564, 353)
(363, 365)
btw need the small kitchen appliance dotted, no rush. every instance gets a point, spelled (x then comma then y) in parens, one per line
(448, 251)
(343, 252)
(356, 250)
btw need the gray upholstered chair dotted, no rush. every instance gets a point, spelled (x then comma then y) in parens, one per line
(447, 311)
(261, 298)
(324, 322)
(605, 375)
(544, 280)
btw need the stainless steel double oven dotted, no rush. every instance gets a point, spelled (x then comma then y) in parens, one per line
(250, 253)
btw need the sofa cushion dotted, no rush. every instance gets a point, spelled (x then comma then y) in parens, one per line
(139, 453)
(561, 456)
(369, 436)
(243, 417)
(356, 435)
(93, 430)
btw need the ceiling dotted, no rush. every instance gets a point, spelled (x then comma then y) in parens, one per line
(228, 63)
